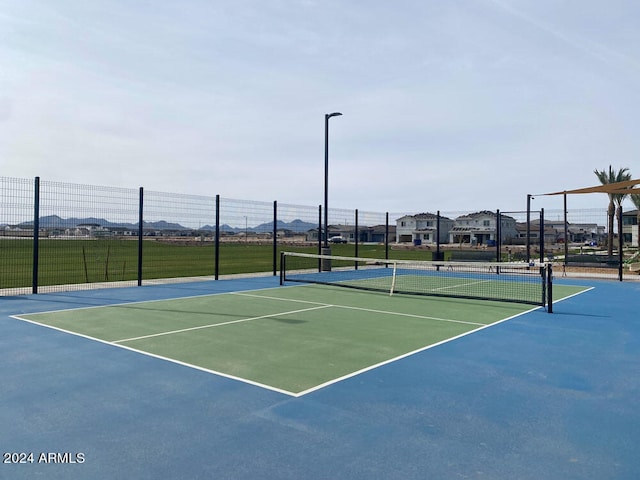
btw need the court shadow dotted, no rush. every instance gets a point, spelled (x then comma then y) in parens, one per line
(291, 321)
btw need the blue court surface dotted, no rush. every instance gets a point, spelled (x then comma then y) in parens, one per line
(538, 396)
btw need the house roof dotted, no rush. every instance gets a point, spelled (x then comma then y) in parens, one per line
(382, 228)
(424, 216)
(483, 213)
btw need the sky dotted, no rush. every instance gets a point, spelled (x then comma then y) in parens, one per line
(457, 105)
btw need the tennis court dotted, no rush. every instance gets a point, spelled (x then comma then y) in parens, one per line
(250, 379)
(289, 339)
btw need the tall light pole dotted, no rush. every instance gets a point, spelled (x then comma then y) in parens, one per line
(327, 116)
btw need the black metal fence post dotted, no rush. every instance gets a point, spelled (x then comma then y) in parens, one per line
(217, 240)
(566, 232)
(542, 235)
(36, 234)
(438, 238)
(356, 235)
(620, 242)
(275, 237)
(549, 270)
(498, 235)
(320, 236)
(386, 237)
(140, 232)
(528, 228)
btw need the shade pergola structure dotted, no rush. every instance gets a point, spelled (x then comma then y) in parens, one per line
(621, 188)
(624, 188)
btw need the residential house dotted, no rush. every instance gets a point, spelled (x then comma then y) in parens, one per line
(554, 232)
(480, 228)
(373, 234)
(377, 234)
(88, 230)
(423, 229)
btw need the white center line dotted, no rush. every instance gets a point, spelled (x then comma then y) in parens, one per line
(385, 312)
(271, 315)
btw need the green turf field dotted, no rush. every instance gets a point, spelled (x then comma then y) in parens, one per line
(113, 260)
(290, 339)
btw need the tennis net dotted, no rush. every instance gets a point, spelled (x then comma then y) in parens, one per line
(507, 282)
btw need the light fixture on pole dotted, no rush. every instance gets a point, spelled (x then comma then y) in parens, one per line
(327, 116)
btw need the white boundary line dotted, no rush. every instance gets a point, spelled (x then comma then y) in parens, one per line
(586, 289)
(258, 384)
(408, 354)
(160, 357)
(213, 325)
(347, 307)
(141, 302)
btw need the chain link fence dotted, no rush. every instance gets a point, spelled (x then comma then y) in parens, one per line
(62, 236)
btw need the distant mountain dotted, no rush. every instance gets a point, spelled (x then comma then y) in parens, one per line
(297, 226)
(55, 221)
(162, 225)
(223, 228)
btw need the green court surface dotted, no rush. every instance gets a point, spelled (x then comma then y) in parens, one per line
(289, 339)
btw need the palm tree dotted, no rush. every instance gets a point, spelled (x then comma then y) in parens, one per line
(614, 198)
(636, 201)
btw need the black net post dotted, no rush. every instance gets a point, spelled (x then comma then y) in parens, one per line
(282, 267)
(36, 233)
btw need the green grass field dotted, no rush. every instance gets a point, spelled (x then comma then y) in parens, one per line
(112, 260)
